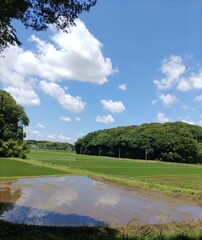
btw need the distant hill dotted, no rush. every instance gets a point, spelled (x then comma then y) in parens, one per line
(172, 142)
(47, 145)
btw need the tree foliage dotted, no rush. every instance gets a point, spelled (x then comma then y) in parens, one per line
(47, 145)
(38, 14)
(172, 142)
(12, 120)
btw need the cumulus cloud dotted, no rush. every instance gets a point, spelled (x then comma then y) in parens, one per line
(161, 118)
(73, 56)
(184, 106)
(186, 120)
(24, 96)
(184, 85)
(154, 101)
(36, 132)
(73, 104)
(114, 107)
(105, 119)
(59, 138)
(200, 123)
(198, 98)
(64, 138)
(40, 125)
(32, 133)
(76, 55)
(172, 68)
(65, 119)
(122, 87)
(196, 80)
(78, 119)
(52, 136)
(19, 85)
(177, 75)
(168, 99)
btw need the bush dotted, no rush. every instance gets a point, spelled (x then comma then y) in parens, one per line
(13, 148)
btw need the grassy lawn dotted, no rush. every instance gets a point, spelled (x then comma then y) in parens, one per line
(171, 174)
(16, 168)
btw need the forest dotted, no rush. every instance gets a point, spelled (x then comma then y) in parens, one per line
(171, 142)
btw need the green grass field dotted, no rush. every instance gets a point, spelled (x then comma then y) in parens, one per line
(16, 168)
(170, 174)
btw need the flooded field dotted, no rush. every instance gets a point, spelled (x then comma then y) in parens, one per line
(82, 201)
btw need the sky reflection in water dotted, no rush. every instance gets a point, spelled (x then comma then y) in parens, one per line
(81, 201)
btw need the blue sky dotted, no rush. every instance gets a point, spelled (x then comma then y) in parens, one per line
(125, 63)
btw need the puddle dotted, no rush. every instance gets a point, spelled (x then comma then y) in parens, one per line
(81, 201)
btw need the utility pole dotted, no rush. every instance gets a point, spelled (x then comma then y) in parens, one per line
(146, 152)
(99, 150)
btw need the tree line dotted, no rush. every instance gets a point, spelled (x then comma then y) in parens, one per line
(48, 145)
(171, 142)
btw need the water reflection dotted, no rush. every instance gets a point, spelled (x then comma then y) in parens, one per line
(33, 216)
(8, 196)
(78, 201)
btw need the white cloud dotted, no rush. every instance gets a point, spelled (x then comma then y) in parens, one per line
(122, 87)
(114, 107)
(178, 75)
(198, 98)
(187, 121)
(162, 118)
(200, 123)
(52, 136)
(196, 80)
(184, 106)
(73, 104)
(76, 55)
(80, 134)
(58, 138)
(184, 85)
(65, 119)
(32, 134)
(154, 101)
(173, 68)
(36, 132)
(61, 137)
(73, 56)
(18, 84)
(168, 99)
(24, 96)
(105, 119)
(40, 125)
(78, 119)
